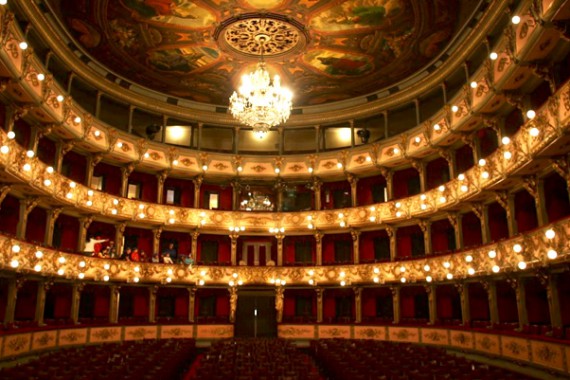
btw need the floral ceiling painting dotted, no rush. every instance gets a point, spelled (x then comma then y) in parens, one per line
(350, 48)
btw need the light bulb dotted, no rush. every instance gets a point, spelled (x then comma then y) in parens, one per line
(446, 264)
(516, 19)
(522, 265)
(473, 84)
(550, 234)
(16, 248)
(454, 108)
(39, 254)
(81, 276)
(60, 272)
(38, 268)
(82, 264)
(531, 114)
(505, 140)
(552, 254)
(30, 153)
(482, 162)
(493, 56)
(11, 135)
(469, 258)
(449, 276)
(517, 248)
(534, 132)
(403, 280)
(4, 149)
(14, 263)
(41, 77)
(427, 268)
(23, 45)
(105, 278)
(471, 271)
(136, 279)
(429, 279)
(496, 269)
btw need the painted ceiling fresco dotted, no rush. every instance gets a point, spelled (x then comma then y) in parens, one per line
(350, 48)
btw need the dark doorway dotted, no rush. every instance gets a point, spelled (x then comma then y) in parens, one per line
(255, 314)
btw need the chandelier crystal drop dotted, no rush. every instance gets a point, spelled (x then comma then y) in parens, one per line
(261, 103)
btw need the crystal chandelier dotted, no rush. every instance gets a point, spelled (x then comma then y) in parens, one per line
(259, 102)
(256, 202)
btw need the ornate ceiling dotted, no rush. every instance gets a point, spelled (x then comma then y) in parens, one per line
(324, 50)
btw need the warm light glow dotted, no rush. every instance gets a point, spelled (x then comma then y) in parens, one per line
(485, 175)
(522, 265)
(508, 155)
(552, 254)
(90, 193)
(27, 167)
(339, 165)
(530, 114)
(436, 127)
(402, 269)
(136, 279)
(454, 108)
(106, 266)
(446, 264)
(469, 258)
(41, 77)
(342, 283)
(4, 149)
(81, 276)
(482, 162)
(441, 188)
(61, 260)
(39, 254)
(30, 153)
(517, 248)
(449, 276)
(72, 185)
(534, 132)
(496, 269)
(403, 280)
(23, 45)
(516, 20)
(77, 120)
(550, 234)
(461, 177)
(429, 279)
(3, 2)
(47, 182)
(505, 140)
(471, 271)
(239, 169)
(427, 268)
(105, 278)
(60, 98)
(376, 280)
(261, 103)
(11, 135)
(14, 263)
(16, 248)
(204, 167)
(464, 188)
(398, 214)
(38, 268)
(49, 169)
(376, 270)
(89, 203)
(60, 272)
(473, 84)
(137, 269)
(82, 264)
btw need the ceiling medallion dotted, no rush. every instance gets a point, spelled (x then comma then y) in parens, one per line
(248, 34)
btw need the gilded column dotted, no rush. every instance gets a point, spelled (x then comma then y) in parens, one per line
(125, 173)
(197, 184)
(236, 187)
(51, 217)
(43, 287)
(84, 224)
(396, 303)
(425, 226)
(14, 284)
(279, 186)
(191, 303)
(161, 178)
(481, 210)
(4, 191)
(432, 303)
(391, 231)
(520, 292)
(317, 186)
(157, 232)
(279, 238)
(389, 176)
(26, 206)
(320, 294)
(119, 234)
(234, 236)
(353, 181)
(455, 219)
(61, 149)
(551, 283)
(114, 302)
(463, 289)
(319, 247)
(535, 188)
(491, 288)
(233, 303)
(152, 290)
(92, 161)
(355, 245)
(507, 202)
(279, 298)
(194, 247)
(358, 304)
(76, 290)
(420, 166)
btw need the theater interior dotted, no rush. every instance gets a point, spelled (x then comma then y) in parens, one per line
(391, 200)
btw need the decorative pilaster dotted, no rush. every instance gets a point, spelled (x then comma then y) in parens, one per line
(388, 175)
(432, 303)
(161, 178)
(197, 183)
(14, 284)
(425, 226)
(26, 206)
(51, 217)
(194, 234)
(320, 294)
(43, 287)
(562, 167)
(391, 231)
(491, 289)
(353, 181)
(507, 202)
(520, 292)
(355, 245)
(4, 191)
(396, 303)
(84, 224)
(76, 290)
(233, 303)
(358, 304)
(279, 186)
(463, 289)
(114, 304)
(481, 210)
(319, 247)
(279, 298)
(61, 149)
(125, 173)
(455, 219)
(535, 188)
(191, 303)
(152, 290)
(317, 186)
(234, 236)
(550, 282)
(420, 166)
(92, 161)
(449, 156)
(157, 232)
(279, 238)
(236, 188)
(119, 234)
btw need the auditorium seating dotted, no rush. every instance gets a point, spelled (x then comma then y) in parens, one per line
(368, 359)
(136, 360)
